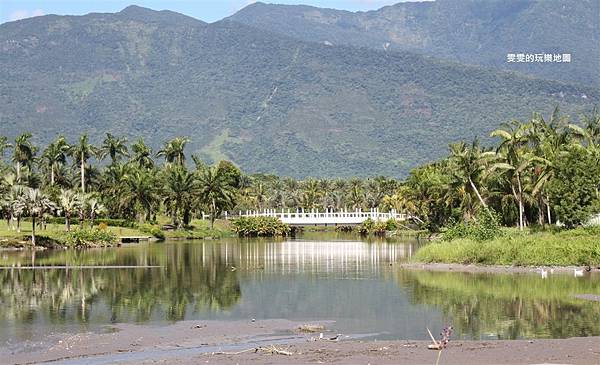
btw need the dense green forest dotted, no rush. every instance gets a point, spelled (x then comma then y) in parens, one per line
(477, 32)
(539, 172)
(269, 103)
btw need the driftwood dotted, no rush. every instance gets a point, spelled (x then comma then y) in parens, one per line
(311, 328)
(269, 349)
(322, 338)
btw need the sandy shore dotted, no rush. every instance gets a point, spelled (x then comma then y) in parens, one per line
(234, 342)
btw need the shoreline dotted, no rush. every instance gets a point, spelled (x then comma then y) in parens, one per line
(495, 269)
(279, 341)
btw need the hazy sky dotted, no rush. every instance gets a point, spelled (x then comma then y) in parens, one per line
(207, 10)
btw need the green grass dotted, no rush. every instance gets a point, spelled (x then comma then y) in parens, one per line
(564, 248)
(199, 230)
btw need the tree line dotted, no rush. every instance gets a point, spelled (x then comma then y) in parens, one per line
(539, 172)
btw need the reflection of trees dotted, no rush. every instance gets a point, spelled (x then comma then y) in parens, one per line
(510, 306)
(189, 279)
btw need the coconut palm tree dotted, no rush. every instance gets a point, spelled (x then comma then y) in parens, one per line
(23, 153)
(173, 151)
(81, 153)
(34, 203)
(215, 191)
(69, 202)
(311, 194)
(548, 143)
(113, 147)
(55, 156)
(514, 159)
(142, 155)
(468, 164)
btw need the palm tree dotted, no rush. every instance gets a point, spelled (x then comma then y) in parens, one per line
(142, 154)
(82, 152)
(114, 147)
(180, 190)
(35, 203)
(142, 193)
(590, 132)
(94, 207)
(16, 208)
(468, 165)
(173, 151)
(11, 193)
(514, 160)
(548, 142)
(260, 195)
(311, 194)
(23, 153)
(55, 156)
(356, 196)
(4, 145)
(69, 202)
(215, 191)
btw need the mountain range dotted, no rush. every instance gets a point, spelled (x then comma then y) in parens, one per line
(268, 98)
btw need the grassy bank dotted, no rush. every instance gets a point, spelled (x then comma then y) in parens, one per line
(55, 234)
(564, 248)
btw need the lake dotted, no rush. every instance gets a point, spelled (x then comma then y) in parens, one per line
(318, 277)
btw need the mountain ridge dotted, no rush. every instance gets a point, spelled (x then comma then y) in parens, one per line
(268, 102)
(465, 31)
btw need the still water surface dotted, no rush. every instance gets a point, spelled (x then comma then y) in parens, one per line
(353, 282)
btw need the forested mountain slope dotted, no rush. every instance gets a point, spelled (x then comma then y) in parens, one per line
(478, 32)
(268, 102)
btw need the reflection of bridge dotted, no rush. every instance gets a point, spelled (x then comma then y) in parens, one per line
(316, 218)
(308, 256)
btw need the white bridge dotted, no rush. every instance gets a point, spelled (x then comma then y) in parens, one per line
(316, 218)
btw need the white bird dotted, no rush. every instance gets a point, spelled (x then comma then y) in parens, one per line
(544, 273)
(578, 273)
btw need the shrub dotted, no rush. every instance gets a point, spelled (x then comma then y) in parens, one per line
(377, 227)
(391, 225)
(154, 230)
(157, 233)
(94, 237)
(485, 228)
(260, 227)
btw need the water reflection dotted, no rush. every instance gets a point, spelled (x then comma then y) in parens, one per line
(508, 306)
(352, 282)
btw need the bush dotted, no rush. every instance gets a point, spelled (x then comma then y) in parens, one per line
(90, 238)
(366, 227)
(154, 230)
(260, 227)
(391, 225)
(377, 227)
(485, 228)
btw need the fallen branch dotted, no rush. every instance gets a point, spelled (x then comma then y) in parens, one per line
(270, 349)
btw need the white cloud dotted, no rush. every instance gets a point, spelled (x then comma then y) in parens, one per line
(22, 14)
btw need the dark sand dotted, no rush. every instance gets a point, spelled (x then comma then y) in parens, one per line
(227, 342)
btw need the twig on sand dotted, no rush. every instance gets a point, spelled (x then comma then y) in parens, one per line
(269, 349)
(442, 343)
(311, 328)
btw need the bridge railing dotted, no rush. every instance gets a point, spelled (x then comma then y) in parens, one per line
(356, 216)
